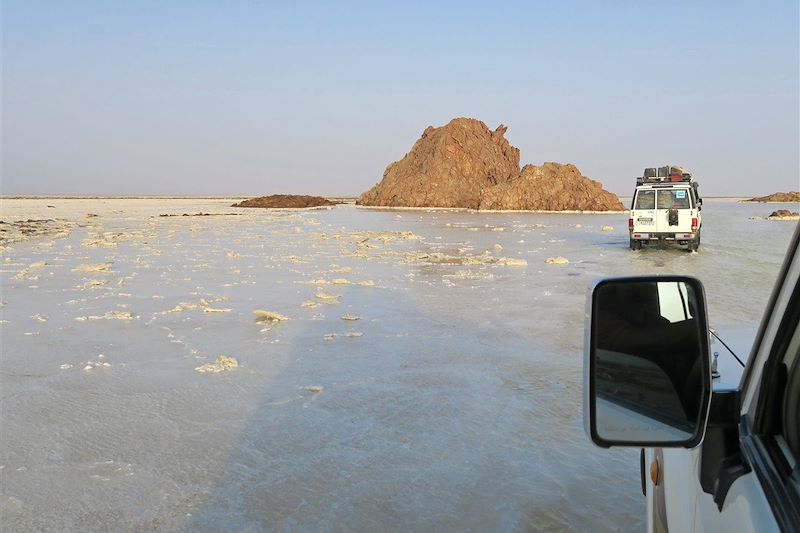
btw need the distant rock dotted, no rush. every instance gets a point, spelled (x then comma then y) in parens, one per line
(778, 197)
(551, 187)
(784, 214)
(464, 164)
(285, 201)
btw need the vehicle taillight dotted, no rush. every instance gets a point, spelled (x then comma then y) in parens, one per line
(630, 224)
(694, 225)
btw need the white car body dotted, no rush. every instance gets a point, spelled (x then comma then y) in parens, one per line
(684, 504)
(651, 222)
(745, 473)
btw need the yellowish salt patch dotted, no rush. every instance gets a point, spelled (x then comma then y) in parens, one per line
(340, 281)
(512, 261)
(367, 283)
(221, 364)
(99, 267)
(607, 228)
(327, 297)
(498, 247)
(316, 389)
(350, 317)
(269, 316)
(110, 315)
(556, 261)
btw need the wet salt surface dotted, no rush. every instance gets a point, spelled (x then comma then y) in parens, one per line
(455, 404)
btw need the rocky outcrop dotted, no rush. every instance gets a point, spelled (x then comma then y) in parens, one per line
(464, 164)
(778, 197)
(284, 201)
(551, 187)
(784, 214)
(447, 167)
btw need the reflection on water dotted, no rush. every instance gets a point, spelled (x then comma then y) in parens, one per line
(457, 407)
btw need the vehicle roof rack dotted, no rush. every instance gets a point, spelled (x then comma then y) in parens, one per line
(665, 174)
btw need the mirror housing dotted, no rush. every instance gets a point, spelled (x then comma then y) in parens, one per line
(647, 371)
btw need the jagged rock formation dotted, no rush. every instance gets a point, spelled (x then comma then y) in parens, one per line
(464, 164)
(278, 201)
(778, 197)
(447, 167)
(551, 187)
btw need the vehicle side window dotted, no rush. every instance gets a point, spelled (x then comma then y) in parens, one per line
(645, 200)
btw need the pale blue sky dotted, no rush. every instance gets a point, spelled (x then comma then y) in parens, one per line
(251, 98)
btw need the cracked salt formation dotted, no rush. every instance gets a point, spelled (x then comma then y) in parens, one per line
(103, 268)
(328, 298)
(556, 260)
(340, 281)
(607, 229)
(109, 315)
(94, 284)
(350, 317)
(20, 231)
(315, 389)
(469, 274)
(27, 273)
(222, 363)
(268, 316)
(511, 261)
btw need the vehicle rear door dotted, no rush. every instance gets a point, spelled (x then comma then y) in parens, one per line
(644, 212)
(674, 210)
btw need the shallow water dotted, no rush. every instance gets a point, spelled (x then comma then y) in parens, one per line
(459, 406)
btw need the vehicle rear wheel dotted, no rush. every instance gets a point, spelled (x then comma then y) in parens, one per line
(636, 245)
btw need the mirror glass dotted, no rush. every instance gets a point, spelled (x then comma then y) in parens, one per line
(647, 361)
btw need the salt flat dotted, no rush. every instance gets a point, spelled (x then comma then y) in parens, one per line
(396, 370)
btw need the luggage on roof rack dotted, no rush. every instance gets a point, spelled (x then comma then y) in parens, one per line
(667, 173)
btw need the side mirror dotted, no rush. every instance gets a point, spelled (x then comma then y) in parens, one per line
(647, 375)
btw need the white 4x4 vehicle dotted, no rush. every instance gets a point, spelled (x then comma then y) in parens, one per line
(665, 210)
(719, 454)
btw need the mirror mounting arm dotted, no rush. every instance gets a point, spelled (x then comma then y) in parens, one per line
(721, 461)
